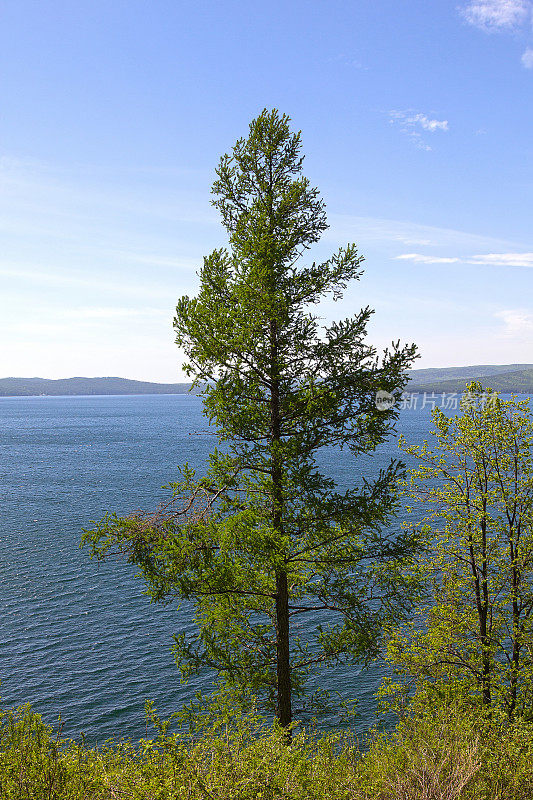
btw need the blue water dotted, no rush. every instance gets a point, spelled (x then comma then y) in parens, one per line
(80, 639)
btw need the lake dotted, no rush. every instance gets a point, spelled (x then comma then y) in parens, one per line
(78, 638)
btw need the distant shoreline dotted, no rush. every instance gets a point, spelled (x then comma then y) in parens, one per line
(504, 378)
(87, 387)
(80, 396)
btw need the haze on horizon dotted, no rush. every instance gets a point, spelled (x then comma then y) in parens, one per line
(416, 123)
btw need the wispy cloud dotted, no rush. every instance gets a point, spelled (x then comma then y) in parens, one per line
(527, 58)
(418, 258)
(114, 312)
(413, 124)
(348, 61)
(429, 124)
(35, 276)
(417, 242)
(483, 260)
(503, 259)
(517, 322)
(388, 232)
(496, 15)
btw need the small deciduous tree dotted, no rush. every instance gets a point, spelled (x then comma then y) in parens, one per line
(475, 487)
(264, 538)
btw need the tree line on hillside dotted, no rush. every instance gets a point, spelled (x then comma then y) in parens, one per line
(31, 387)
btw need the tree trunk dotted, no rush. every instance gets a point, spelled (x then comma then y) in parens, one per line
(515, 663)
(487, 666)
(284, 706)
(485, 638)
(479, 574)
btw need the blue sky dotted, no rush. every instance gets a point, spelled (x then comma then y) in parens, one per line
(416, 120)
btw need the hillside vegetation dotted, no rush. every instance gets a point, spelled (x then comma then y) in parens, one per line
(503, 378)
(518, 381)
(28, 387)
(476, 371)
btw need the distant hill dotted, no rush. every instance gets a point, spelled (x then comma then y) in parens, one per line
(26, 387)
(507, 378)
(502, 378)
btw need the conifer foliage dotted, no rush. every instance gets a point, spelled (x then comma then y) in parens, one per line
(263, 540)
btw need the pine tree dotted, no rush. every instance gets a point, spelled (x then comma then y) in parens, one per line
(264, 538)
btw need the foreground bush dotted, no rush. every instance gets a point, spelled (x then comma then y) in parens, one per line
(239, 764)
(437, 757)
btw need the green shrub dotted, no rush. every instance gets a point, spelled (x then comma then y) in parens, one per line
(446, 753)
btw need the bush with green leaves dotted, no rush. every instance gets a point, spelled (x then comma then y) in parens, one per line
(473, 490)
(445, 752)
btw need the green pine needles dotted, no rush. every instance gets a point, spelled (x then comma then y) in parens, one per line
(263, 540)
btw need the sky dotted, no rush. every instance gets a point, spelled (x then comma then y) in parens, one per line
(416, 122)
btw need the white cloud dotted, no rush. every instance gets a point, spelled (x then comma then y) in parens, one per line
(486, 260)
(31, 276)
(413, 123)
(492, 16)
(503, 259)
(114, 312)
(497, 15)
(517, 322)
(429, 124)
(348, 61)
(411, 120)
(418, 242)
(527, 58)
(388, 232)
(418, 258)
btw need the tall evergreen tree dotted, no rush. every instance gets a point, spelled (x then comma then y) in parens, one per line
(264, 538)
